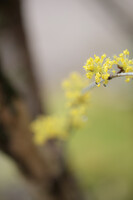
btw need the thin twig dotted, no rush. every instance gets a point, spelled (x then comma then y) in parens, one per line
(94, 84)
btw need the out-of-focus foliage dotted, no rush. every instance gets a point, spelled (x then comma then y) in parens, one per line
(60, 126)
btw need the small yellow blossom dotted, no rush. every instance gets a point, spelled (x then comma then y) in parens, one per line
(73, 92)
(121, 55)
(124, 62)
(78, 116)
(113, 71)
(127, 79)
(89, 75)
(101, 68)
(98, 85)
(105, 76)
(47, 127)
(76, 101)
(97, 77)
(126, 52)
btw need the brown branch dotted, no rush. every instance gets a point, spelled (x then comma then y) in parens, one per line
(13, 41)
(46, 167)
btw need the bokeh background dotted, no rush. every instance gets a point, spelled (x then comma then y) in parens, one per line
(60, 35)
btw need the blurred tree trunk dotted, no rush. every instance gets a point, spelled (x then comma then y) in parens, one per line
(44, 168)
(14, 54)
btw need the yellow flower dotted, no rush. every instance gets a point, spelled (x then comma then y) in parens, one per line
(126, 52)
(125, 63)
(121, 55)
(76, 100)
(89, 75)
(97, 77)
(54, 126)
(47, 127)
(74, 92)
(97, 59)
(98, 85)
(113, 71)
(101, 68)
(78, 116)
(105, 76)
(127, 79)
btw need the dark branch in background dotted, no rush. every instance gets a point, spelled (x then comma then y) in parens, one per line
(13, 42)
(45, 168)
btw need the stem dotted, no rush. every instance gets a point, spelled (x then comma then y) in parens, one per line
(94, 84)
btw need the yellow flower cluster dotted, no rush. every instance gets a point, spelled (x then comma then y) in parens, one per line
(78, 116)
(77, 103)
(47, 127)
(125, 63)
(103, 67)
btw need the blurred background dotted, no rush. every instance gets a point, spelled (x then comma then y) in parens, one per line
(41, 42)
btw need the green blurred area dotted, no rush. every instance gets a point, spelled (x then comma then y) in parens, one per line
(100, 154)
